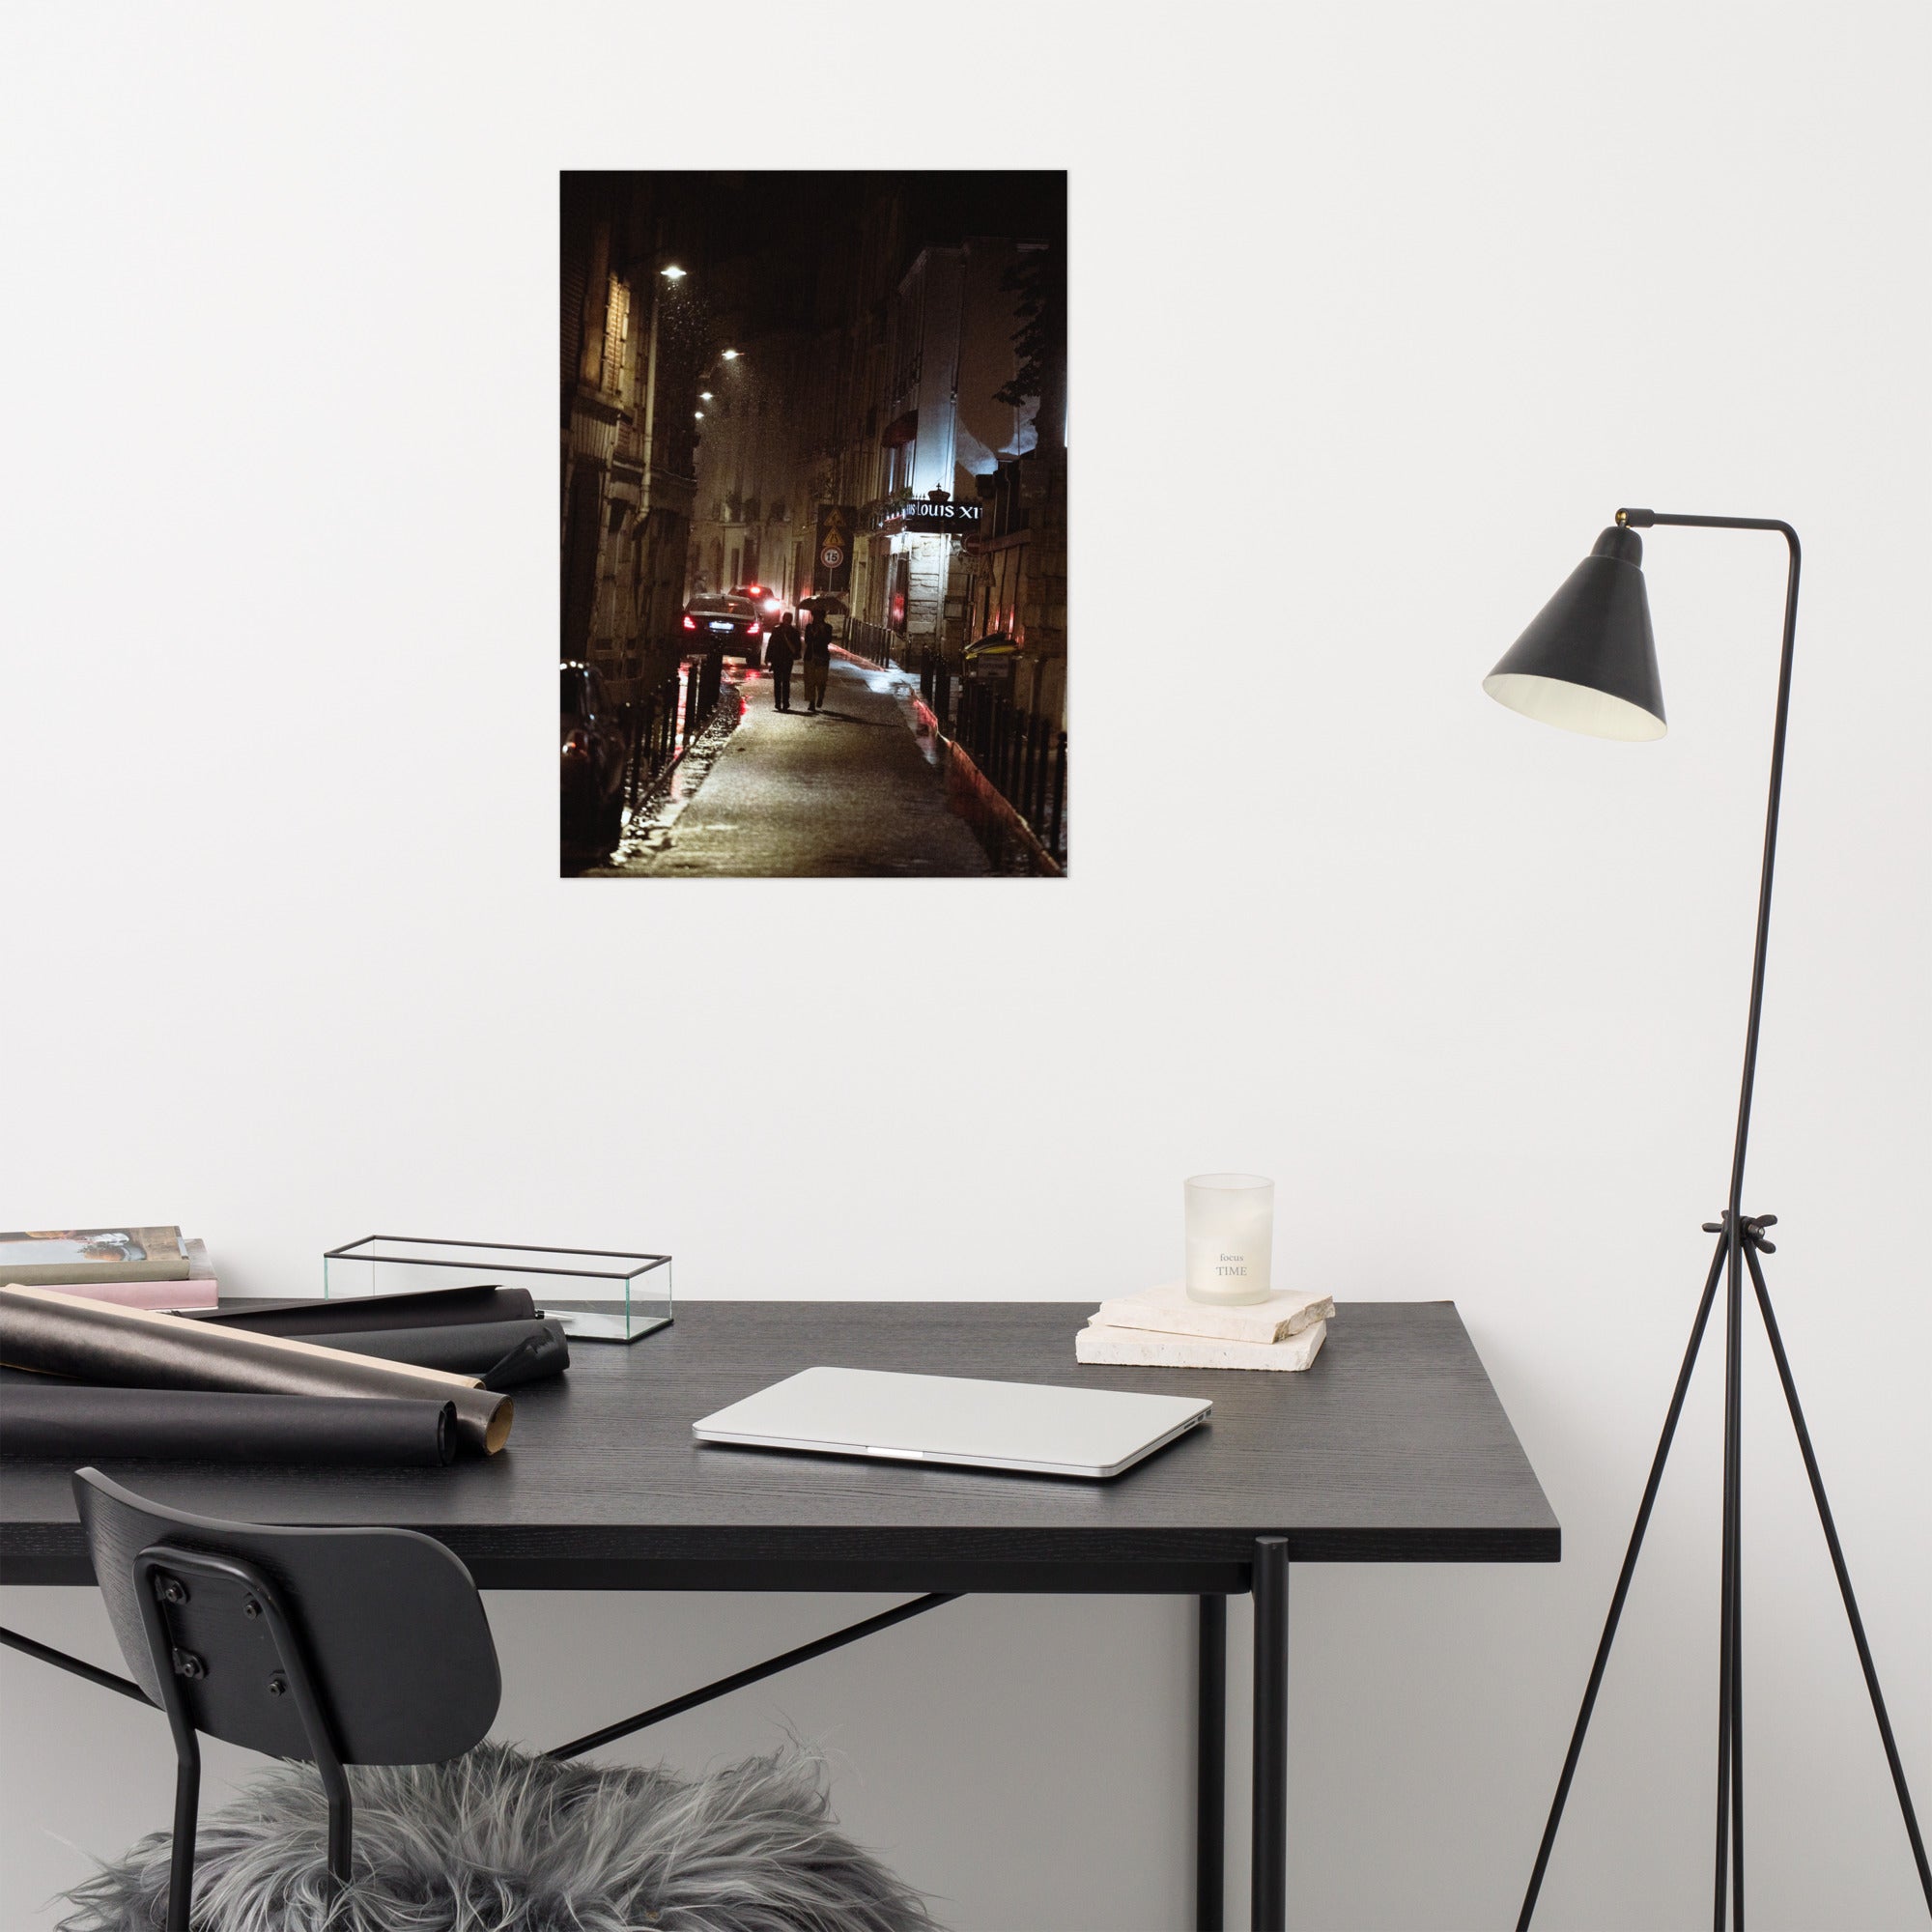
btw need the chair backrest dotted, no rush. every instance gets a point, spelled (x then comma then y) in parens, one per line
(390, 1630)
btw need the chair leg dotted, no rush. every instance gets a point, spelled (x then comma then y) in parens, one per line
(341, 1825)
(181, 1865)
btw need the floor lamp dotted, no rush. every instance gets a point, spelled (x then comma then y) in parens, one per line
(1588, 663)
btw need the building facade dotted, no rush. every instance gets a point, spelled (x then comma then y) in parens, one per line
(628, 445)
(875, 371)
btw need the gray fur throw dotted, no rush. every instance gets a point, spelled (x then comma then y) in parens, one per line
(496, 1841)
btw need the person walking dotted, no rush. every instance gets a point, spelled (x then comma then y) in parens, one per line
(781, 654)
(817, 661)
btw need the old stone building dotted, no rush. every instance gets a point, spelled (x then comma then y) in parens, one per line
(792, 421)
(630, 348)
(868, 373)
(954, 319)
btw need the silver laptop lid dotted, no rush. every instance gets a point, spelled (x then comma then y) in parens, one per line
(1049, 1431)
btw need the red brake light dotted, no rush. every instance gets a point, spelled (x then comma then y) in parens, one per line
(690, 622)
(753, 631)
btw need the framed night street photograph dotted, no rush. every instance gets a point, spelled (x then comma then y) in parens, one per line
(814, 523)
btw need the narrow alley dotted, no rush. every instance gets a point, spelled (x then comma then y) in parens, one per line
(843, 792)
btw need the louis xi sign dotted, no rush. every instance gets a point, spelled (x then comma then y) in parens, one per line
(957, 520)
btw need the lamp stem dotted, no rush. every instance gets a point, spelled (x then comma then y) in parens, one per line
(1736, 1203)
(1642, 519)
(1730, 1860)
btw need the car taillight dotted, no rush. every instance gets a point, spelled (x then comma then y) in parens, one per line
(576, 745)
(753, 631)
(690, 623)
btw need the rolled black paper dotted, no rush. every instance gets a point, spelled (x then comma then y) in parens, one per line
(363, 1313)
(61, 1334)
(68, 1423)
(524, 1363)
(466, 1348)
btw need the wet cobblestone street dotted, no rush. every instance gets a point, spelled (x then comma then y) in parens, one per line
(845, 792)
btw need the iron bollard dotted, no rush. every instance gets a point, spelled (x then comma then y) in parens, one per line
(1060, 800)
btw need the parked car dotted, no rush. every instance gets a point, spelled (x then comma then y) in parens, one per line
(592, 752)
(722, 621)
(764, 600)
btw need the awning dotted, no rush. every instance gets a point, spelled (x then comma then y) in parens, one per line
(900, 430)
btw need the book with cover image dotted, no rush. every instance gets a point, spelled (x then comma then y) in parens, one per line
(60, 1254)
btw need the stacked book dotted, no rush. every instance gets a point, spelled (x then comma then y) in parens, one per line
(1163, 1328)
(131, 1267)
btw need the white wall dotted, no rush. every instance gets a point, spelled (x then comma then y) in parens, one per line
(1397, 304)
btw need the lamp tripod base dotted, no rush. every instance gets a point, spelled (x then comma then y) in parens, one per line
(1741, 1240)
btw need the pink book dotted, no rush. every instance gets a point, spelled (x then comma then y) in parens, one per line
(160, 1295)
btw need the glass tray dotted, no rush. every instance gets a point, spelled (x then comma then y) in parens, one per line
(598, 1297)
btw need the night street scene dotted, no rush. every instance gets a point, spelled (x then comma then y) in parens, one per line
(813, 579)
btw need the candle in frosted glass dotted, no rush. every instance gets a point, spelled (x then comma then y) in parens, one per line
(1229, 1236)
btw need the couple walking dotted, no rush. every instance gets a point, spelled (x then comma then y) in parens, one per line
(783, 649)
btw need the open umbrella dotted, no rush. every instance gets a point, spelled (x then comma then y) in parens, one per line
(826, 604)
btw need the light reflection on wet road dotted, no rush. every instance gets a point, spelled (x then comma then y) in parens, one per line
(854, 791)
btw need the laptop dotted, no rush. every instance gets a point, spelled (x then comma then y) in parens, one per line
(976, 1425)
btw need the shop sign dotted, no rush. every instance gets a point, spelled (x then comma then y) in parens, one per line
(953, 520)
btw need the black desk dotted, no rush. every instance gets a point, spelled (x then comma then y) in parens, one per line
(1391, 1448)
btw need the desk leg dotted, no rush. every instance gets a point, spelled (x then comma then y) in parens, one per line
(1211, 1767)
(1269, 1893)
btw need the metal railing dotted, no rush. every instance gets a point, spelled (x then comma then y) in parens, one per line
(877, 643)
(1022, 756)
(653, 728)
(937, 681)
(663, 721)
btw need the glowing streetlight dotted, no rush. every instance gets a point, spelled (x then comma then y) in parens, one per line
(698, 415)
(671, 272)
(704, 395)
(730, 356)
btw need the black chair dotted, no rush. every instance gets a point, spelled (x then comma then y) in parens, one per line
(329, 1646)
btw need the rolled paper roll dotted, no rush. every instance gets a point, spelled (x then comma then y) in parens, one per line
(136, 1348)
(466, 1348)
(363, 1313)
(524, 1363)
(71, 1423)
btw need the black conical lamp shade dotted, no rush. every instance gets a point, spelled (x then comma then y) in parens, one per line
(1588, 661)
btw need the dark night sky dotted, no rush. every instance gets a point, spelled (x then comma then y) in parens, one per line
(781, 219)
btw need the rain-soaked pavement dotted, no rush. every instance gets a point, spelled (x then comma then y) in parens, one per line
(848, 792)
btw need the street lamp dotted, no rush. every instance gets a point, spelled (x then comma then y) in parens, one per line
(730, 356)
(704, 395)
(671, 272)
(698, 415)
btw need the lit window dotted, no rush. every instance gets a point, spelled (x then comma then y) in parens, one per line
(616, 324)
